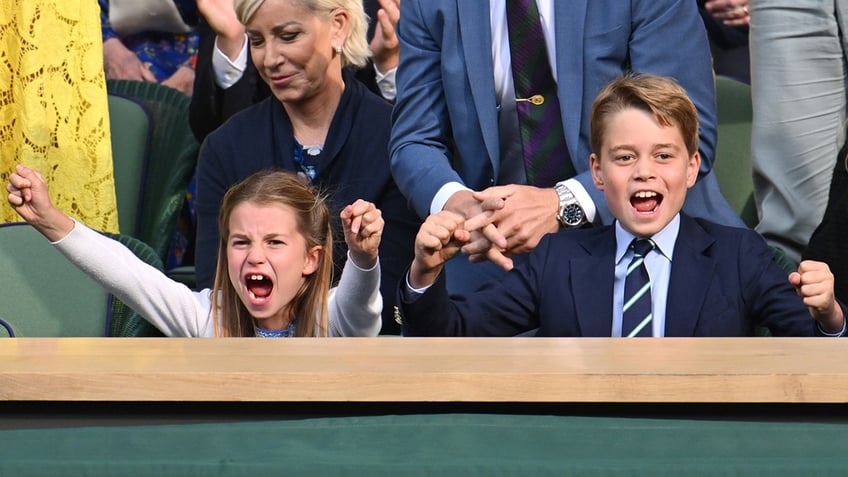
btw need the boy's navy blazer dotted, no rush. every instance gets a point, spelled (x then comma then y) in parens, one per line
(723, 282)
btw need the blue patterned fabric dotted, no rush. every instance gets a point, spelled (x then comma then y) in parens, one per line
(162, 52)
(286, 333)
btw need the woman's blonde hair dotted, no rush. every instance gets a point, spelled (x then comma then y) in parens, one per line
(309, 305)
(355, 50)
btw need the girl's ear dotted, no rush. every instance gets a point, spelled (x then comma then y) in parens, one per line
(313, 258)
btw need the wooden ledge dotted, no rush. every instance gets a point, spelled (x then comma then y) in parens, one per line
(389, 369)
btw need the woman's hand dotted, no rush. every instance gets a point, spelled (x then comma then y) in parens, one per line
(121, 63)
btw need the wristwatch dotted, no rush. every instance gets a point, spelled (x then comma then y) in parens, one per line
(570, 213)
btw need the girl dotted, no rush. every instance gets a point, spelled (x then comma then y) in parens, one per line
(274, 263)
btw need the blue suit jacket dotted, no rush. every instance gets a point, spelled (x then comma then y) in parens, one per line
(446, 114)
(723, 283)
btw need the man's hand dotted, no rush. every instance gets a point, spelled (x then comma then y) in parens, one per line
(385, 47)
(522, 214)
(814, 282)
(486, 242)
(121, 63)
(363, 229)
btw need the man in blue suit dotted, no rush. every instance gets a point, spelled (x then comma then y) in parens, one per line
(700, 278)
(455, 129)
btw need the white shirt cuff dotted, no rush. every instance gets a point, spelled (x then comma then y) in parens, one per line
(76, 227)
(834, 335)
(386, 83)
(352, 262)
(442, 196)
(410, 294)
(227, 73)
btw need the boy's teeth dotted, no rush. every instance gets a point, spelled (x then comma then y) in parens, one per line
(645, 195)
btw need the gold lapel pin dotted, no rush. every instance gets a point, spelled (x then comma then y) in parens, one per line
(536, 99)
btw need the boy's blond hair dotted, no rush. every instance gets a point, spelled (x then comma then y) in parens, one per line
(660, 96)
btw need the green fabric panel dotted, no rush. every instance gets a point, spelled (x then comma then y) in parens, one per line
(171, 161)
(433, 445)
(733, 149)
(125, 321)
(42, 293)
(130, 131)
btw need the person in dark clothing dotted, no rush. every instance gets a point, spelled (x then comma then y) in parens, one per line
(828, 243)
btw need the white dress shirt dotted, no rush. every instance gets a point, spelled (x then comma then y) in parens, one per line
(512, 162)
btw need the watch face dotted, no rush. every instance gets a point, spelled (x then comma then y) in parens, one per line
(572, 215)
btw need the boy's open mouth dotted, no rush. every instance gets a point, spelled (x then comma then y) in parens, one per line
(646, 201)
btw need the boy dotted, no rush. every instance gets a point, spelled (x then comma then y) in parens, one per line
(704, 279)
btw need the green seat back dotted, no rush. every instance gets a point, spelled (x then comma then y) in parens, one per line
(130, 129)
(42, 293)
(172, 159)
(126, 322)
(733, 151)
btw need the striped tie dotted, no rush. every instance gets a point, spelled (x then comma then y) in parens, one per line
(637, 293)
(546, 158)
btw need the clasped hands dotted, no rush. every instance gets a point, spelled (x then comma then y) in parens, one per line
(493, 225)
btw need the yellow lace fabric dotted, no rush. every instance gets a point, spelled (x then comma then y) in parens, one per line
(53, 109)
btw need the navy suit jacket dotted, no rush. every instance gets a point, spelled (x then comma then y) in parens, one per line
(723, 283)
(446, 113)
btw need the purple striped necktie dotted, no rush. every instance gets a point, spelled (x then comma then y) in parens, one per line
(546, 158)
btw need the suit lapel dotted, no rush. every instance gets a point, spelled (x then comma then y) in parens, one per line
(476, 32)
(593, 276)
(569, 28)
(689, 266)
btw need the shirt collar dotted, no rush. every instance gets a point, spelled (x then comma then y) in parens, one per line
(286, 333)
(664, 239)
